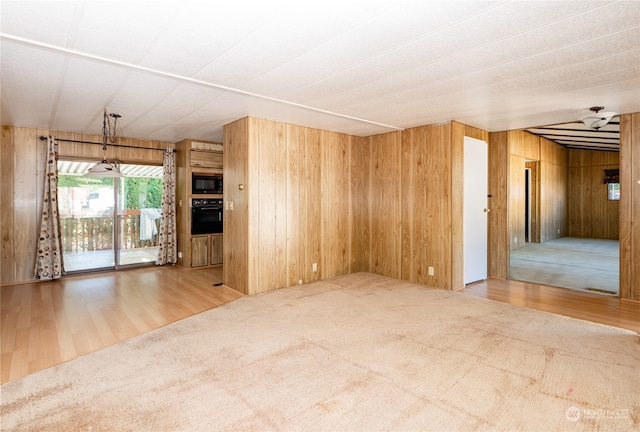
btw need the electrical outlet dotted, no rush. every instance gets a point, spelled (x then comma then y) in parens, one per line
(299, 281)
(179, 254)
(230, 205)
(515, 240)
(314, 267)
(558, 231)
(431, 271)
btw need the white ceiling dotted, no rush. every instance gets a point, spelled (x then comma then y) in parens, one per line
(177, 70)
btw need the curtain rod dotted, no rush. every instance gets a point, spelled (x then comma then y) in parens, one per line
(42, 138)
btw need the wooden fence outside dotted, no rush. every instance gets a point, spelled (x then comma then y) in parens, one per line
(96, 233)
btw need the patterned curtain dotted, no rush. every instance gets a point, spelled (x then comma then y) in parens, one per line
(168, 243)
(49, 263)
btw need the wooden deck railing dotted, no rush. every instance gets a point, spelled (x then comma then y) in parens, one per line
(81, 234)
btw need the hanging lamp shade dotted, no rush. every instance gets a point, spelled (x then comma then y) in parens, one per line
(103, 169)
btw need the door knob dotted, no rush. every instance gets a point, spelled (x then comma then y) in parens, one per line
(487, 210)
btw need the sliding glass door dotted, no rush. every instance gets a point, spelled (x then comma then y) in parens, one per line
(107, 223)
(139, 203)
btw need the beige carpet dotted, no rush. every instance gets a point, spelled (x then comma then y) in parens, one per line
(354, 353)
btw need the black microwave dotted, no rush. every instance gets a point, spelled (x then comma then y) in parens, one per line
(206, 184)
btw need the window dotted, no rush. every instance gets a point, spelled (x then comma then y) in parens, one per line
(614, 191)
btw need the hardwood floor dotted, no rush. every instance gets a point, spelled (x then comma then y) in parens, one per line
(562, 301)
(47, 323)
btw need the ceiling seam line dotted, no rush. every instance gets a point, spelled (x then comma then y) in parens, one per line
(189, 80)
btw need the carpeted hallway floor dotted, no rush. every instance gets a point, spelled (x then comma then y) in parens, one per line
(591, 265)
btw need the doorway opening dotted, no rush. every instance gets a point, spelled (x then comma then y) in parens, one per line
(109, 223)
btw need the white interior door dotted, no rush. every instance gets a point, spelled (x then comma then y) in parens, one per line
(475, 211)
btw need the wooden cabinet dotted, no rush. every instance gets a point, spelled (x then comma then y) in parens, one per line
(206, 250)
(206, 159)
(200, 158)
(215, 249)
(199, 251)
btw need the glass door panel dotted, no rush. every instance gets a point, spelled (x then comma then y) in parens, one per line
(139, 203)
(86, 220)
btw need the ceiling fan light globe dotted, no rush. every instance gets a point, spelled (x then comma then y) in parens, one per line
(597, 120)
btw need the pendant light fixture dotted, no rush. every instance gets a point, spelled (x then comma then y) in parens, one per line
(104, 168)
(596, 119)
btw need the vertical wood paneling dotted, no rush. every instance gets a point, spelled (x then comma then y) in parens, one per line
(630, 206)
(265, 182)
(335, 209)
(282, 208)
(525, 144)
(360, 205)
(313, 189)
(26, 202)
(407, 205)
(295, 142)
(552, 186)
(386, 257)
(426, 205)
(7, 222)
(254, 143)
(550, 201)
(458, 132)
(413, 197)
(94, 151)
(634, 194)
(305, 219)
(516, 201)
(589, 211)
(553, 190)
(498, 256)
(236, 221)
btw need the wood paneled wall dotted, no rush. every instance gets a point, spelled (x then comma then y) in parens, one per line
(389, 204)
(385, 250)
(236, 228)
(630, 206)
(551, 183)
(499, 229)
(553, 190)
(361, 205)
(426, 204)
(590, 212)
(22, 166)
(421, 221)
(517, 197)
(296, 206)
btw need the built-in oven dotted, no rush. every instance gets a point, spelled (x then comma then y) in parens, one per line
(206, 215)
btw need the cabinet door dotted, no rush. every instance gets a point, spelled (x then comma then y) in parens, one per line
(199, 251)
(206, 159)
(216, 249)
